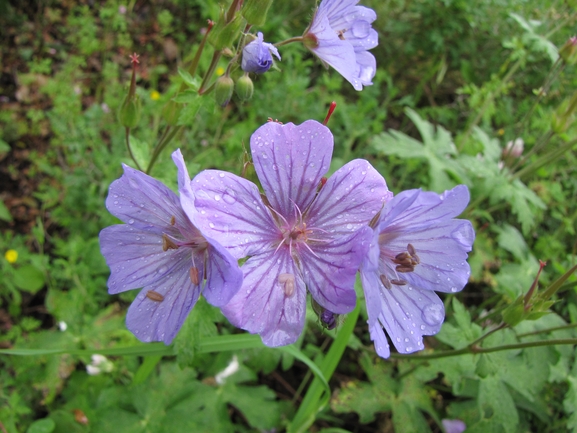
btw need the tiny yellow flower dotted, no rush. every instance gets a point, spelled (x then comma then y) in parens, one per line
(219, 71)
(501, 131)
(154, 95)
(11, 256)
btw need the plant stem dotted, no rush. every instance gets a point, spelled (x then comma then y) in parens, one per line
(472, 350)
(167, 138)
(289, 41)
(546, 330)
(127, 136)
(545, 159)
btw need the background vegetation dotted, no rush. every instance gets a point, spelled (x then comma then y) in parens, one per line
(456, 81)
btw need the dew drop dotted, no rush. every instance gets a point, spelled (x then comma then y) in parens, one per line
(130, 221)
(211, 225)
(229, 196)
(217, 197)
(221, 174)
(349, 226)
(433, 314)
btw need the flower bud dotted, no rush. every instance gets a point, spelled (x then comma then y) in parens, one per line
(254, 11)
(514, 149)
(224, 34)
(129, 113)
(223, 90)
(257, 57)
(244, 88)
(568, 52)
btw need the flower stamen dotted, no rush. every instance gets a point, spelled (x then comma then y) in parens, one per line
(154, 296)
(287, 281)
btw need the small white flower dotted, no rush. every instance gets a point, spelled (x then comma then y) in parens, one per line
(62, 326)
(92, 370)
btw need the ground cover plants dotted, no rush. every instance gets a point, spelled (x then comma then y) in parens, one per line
(290, 287)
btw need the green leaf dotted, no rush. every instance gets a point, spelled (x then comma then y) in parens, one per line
(187, 96)
(190, 81)
(5, 213)
(510, 239)
(45, 425)
(29, 278)
(497, 405)
(257, 403)
(437, 149)
(140, 150)
(188, 114)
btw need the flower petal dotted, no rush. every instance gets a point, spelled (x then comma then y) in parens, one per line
(424, 219)
(405, 312)
(143, 202)
(290, 161)
(262, 305)
(329, 270)
(136, 258)
(153, 320)
(223, 276)
(231, 211)
(350, 199)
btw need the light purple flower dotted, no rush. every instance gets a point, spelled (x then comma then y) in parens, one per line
(160, 250)
(417, 248)
(340, 35)
(256, 56)
(302, 235)
(454, 426)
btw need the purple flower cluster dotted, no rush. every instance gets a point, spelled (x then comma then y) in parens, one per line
(305, 233)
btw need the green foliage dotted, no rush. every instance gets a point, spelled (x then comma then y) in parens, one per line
(456, 81)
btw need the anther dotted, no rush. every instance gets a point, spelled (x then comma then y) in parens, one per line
(411, 250)
(341, 34)
(194, 276)
(172, 220)
(154, 296)
(386, 282)
(405, 268)
(167, 243)
(399, 282)
(287, 281)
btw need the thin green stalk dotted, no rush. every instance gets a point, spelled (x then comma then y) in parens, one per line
(127, 136)
(167, 138)
(211, 69)
(476, 350)
(545, 159)
(289, 41)
(547, 330)
(312, 402)
(542, 141)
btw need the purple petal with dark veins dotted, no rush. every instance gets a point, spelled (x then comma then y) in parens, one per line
(330, 269)
(351, 197)
(151, 320)
(290, 161)
(230, 211)
(136, 258)
(405, 312)
(262, 307)
(144, 202)
(223, 276)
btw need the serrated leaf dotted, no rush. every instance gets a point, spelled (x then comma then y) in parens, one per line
(497, 405)
(45, 425)
(190, 81)
(408, 419)
(257, 403)
(188, 114)
(510, 239)
(437, 148)
(187, 96)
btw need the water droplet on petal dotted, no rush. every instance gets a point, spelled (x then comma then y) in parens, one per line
(433, 314)
(130, 221)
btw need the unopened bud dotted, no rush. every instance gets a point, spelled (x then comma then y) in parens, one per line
(254, 11)
(244, 88)
(568, 52)
(514, 149)
(129, 113)
(223, 90)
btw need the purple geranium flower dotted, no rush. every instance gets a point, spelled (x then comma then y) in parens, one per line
(256, 56)
(417, 248)
(340, 35)
(304, 234)
(160, 250)
(454, 425)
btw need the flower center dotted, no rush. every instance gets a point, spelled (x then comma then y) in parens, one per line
(405, 262)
